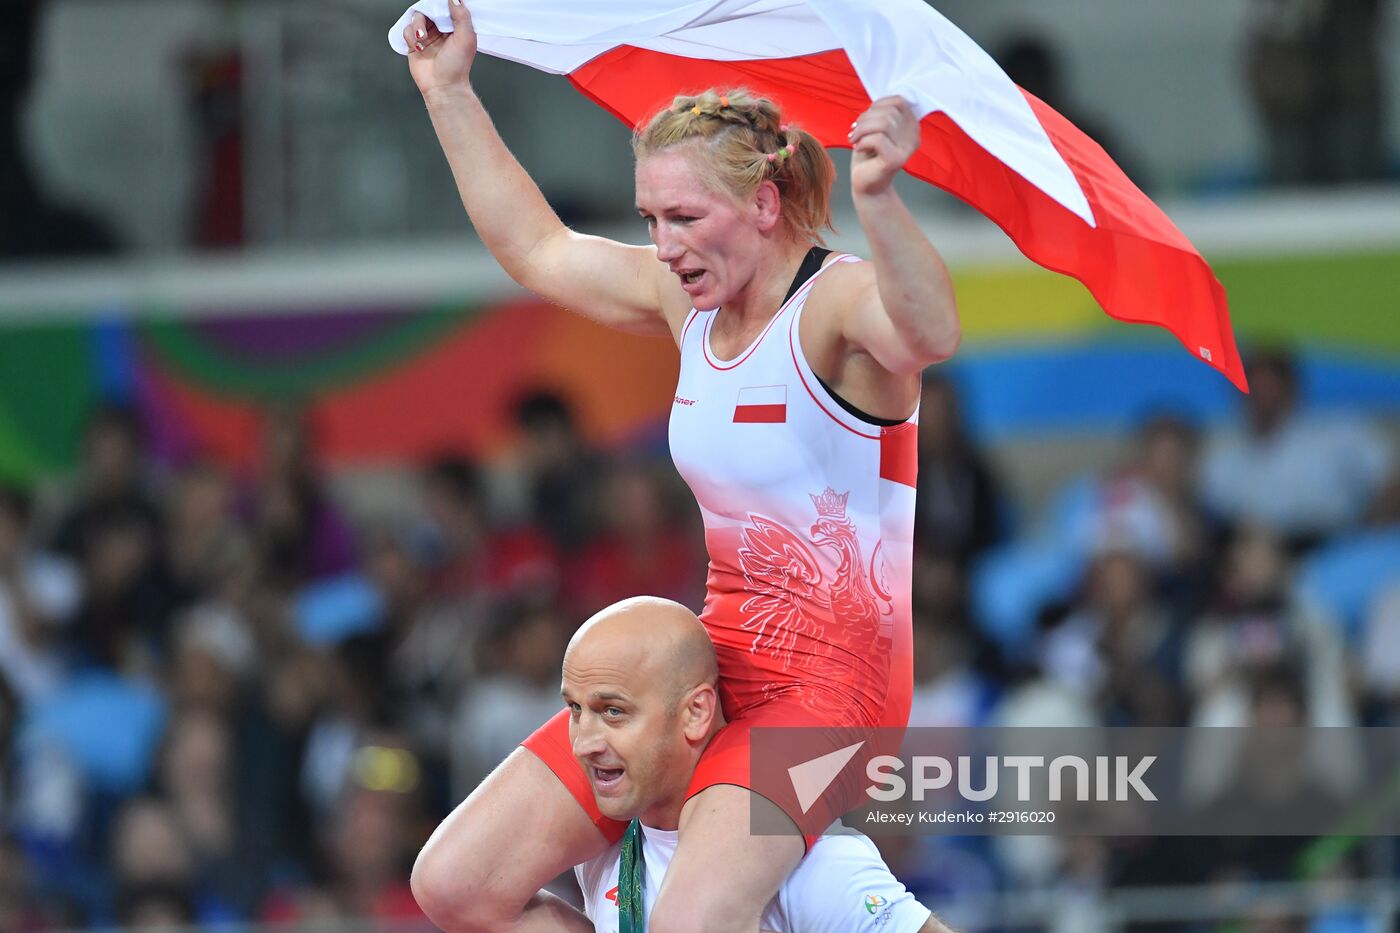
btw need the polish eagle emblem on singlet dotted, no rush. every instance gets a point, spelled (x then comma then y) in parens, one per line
(793, 599)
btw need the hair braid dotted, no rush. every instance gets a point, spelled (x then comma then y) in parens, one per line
(742, 141)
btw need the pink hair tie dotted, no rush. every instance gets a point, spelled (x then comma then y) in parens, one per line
(784, 128)
(772, 156)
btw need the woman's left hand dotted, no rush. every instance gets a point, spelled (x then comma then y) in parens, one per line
(882, 140)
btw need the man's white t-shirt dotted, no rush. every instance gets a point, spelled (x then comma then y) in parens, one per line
(841, 886)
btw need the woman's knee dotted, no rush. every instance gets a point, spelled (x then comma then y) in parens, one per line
(490, 857)
(455, 892)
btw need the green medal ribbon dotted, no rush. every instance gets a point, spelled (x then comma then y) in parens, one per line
(632, 882)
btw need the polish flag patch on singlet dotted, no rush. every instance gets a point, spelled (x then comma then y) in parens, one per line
(761, 405)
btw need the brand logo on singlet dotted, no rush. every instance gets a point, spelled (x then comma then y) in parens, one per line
(684, 401)
(612, 895)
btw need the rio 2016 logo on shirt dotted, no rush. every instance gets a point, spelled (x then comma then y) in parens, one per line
(873, 902)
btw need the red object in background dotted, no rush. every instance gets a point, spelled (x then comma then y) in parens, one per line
(218, 107)
(511, 561)
(609, 569)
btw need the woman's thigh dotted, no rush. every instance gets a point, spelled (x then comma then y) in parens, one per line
(722, 875)
(515, 833)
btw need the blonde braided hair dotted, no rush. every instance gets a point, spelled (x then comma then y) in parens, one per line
(741, 142)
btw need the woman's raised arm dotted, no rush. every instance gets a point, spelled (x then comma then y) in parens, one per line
(612, 283)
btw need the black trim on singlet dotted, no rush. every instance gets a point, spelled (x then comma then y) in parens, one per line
(811, 265)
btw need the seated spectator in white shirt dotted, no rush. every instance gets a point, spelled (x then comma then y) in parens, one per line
(1302, 476)
(640, 678)
(39, 593)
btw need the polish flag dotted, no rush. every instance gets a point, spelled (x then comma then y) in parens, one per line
(761, 405)
(1051, 188)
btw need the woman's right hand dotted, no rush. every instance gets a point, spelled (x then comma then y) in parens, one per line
(437, 60)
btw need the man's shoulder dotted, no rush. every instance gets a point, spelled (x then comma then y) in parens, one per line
(834, 866)
(844, 884)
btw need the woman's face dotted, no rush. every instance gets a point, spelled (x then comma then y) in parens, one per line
(709, 240)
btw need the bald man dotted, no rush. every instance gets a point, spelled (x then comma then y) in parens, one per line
(640, 683)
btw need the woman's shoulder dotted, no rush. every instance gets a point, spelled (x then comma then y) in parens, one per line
(843, 276)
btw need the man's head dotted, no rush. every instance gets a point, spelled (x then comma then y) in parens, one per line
(1273, 389)
(640, 682)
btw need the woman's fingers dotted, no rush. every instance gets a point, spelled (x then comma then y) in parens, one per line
(876, 144)
(411, 31)
(461, 16)
(888, 115)
(421, 32)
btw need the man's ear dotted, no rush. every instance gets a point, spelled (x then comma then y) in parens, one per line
(768, 207)
(698, 712)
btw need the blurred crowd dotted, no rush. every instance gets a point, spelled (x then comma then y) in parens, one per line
(223, 699)
(226, 700)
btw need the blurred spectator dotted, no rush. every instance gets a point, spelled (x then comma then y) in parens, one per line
(644, 548)
(353, 706)
(114, 531)
(1316, 76)
(960, 510)
(1301, 476)
(39, 594)
(429, 646)
(366, 852)
(195, 774)
(370, 849)
(112, 480)
(275, 819)
(149, 849)
(1036, 66)
(21, 906)
(31, 224)
(10, 717)
(212, 660)
(155, 907)
(1384, 511)
(563, 478)
(948, 690)
(1119, 647)
(203, 539)
(471, 559)
(515, 695)
(1267, 771)
(1151, 504)
(299, 531)
(1380, 657)
(1254, 626)
(126, 600)
(213, 81)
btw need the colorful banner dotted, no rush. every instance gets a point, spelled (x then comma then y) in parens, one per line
(398, 385)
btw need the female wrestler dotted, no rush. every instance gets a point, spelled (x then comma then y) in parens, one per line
(794, 426)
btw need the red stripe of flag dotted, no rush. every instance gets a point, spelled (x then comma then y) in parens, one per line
(1134, 261)
(760, 414)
